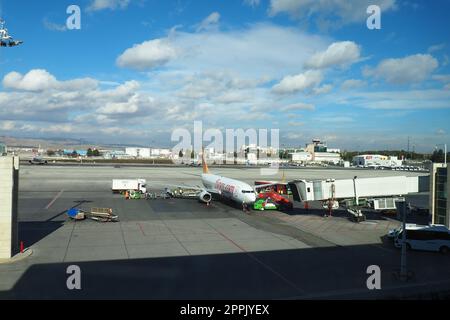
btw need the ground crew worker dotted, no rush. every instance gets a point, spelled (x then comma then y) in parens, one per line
(244, 207)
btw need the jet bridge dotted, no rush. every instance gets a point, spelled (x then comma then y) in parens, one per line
(321, 190)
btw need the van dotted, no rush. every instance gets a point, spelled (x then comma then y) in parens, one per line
(428, 238)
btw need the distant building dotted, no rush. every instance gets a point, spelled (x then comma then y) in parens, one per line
(320, 152)
(258, 150)
(114, 154)
(82, 153)
(300, 156)
(376, 160)
(440, 194)
(162, 153)
(330, 157)
(138, 152)
(3, 149)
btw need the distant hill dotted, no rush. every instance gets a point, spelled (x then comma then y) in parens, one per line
(57, 143)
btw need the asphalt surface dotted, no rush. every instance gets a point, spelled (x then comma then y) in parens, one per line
(182, 249)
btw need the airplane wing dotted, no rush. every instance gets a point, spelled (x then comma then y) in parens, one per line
(184, 186)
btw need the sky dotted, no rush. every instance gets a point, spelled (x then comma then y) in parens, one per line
(139, 69)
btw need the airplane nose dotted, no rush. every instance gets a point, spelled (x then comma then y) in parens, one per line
(251, 198)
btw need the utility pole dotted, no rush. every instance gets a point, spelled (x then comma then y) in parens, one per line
(407, 152)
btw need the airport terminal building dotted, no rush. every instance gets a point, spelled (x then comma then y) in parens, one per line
(440, 194)
(376, 160)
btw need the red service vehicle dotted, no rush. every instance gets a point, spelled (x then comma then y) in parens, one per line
(283, 202)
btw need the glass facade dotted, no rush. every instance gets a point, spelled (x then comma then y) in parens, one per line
(320, 148)
(441, 196)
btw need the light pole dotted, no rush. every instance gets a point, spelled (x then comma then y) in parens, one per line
(354, 189)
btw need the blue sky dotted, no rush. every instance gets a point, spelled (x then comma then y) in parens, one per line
(141, 68)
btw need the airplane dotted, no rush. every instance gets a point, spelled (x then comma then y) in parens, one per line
(227, 188)
(5, 39)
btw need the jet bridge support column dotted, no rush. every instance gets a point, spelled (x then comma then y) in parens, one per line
(9, 194)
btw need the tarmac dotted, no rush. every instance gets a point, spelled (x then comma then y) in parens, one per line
(183, 249)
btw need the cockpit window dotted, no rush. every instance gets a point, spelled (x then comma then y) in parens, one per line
(248, 191)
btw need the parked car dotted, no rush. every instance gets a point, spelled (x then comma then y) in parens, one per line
(37, 161)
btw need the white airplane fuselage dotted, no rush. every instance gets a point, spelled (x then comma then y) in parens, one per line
(231, 189)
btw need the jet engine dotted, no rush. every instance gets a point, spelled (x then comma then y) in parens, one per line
(205, 197)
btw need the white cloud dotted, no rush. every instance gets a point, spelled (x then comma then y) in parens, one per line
(326, 88)
(338, 53)
(54, 26)
(40, 97)
(233, 96)
(147, 55)
(35, 80)
(444, 78)
(411, 69)
(298, 106)
(295, 124)
(436, 47)
(302, 82)
(328, 12)
(209, 22)
(446, 60)
(98, 5)
(259, 51)
(397, 100)
(441, 77)
(7, 125)
(39, 80)
(130, 106)
(353, 84)
(293, 135)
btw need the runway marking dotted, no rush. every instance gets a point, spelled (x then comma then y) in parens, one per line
(264, 265)
(142, 230)
(54, 199)
(124, 242)
(178, 240)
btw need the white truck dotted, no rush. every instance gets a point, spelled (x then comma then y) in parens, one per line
(120, 185)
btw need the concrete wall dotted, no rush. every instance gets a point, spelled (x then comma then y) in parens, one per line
(9, 190)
